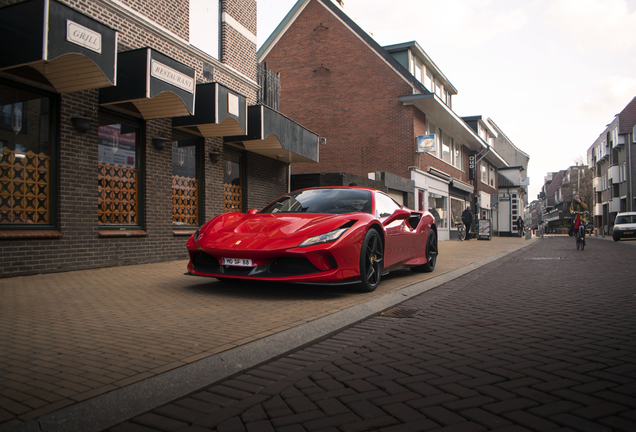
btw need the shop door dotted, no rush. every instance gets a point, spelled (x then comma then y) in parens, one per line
(232, 182)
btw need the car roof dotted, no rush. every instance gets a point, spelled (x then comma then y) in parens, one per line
(626, 214)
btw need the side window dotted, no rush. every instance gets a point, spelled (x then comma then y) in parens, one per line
(385, 206)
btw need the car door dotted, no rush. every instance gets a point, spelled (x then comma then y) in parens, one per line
(398, 242)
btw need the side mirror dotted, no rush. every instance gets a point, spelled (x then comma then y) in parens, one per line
(399, 214)
(252, 211)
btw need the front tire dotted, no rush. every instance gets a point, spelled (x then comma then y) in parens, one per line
(431, 254)
(615, 237)
(371, 256)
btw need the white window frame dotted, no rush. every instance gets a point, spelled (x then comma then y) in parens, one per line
(429, 81)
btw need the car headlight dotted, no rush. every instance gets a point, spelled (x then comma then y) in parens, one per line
(324, 238)
(195, 236)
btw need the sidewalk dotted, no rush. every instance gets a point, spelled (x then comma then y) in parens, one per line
(75, 341)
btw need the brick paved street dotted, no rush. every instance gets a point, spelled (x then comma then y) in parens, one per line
(69, 338)
(542, 339)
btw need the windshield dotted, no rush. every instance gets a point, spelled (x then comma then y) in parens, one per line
(626, 219)
(331, 201)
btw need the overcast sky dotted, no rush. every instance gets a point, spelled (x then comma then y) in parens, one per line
(550, 73)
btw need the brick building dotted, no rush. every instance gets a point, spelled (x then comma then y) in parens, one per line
(381, 110)
(127, 124)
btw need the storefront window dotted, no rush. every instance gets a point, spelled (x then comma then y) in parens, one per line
(185, 185)
(118, 176)
(457, 208)
(232, 182)
(437, 205)
(25, 157)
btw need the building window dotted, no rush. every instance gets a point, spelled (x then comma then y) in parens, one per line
(185, 182)
(438, 207)
(446, 148)
(457, 156)
(457, 208)
(204, 26)
(27, 166)
(417, 69)
(492, 177)
(118, 171)
(429, 82)
(232, 181)
(484, 173)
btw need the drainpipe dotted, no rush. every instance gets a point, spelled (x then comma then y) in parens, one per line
(630, 192)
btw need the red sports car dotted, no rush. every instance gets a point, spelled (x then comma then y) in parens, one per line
(333, 235)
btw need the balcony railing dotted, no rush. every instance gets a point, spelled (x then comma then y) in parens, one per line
(269, 82)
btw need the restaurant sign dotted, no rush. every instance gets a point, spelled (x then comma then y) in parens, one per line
(167, 74)
(84, 37)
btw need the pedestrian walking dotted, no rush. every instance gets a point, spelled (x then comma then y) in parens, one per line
(520, 225)
(467, 219)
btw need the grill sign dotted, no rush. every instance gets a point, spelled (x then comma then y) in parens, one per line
(471, 167)
(171, 76)
(80, 35)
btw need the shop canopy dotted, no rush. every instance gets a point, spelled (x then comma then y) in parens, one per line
(50, 43)
(274, 135)
(152, 84)
(219, 111)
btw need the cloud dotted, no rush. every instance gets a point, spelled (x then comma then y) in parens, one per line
(595, 24)
(452, 22)
(607, 98)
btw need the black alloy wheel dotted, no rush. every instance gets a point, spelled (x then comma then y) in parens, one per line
(371, 257)
(431, 254)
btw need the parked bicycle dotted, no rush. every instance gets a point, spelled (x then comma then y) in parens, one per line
(580, 233)
(461, 230)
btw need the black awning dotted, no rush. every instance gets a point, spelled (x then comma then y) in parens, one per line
(272, 134)
(218, 112)
(70, 50)
(151, 83)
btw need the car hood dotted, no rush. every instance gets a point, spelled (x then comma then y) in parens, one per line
(273, 226)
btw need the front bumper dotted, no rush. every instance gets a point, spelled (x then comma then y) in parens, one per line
(329, 263)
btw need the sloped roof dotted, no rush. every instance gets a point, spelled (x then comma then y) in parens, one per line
(353, 26)
(627, 118)
(505, 182)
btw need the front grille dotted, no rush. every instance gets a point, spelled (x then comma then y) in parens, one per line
(280, 267)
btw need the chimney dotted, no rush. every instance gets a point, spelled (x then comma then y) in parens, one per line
(340, 2)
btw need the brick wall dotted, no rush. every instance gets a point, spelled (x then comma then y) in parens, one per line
(334, 85)
(266, 179)
(236, 50)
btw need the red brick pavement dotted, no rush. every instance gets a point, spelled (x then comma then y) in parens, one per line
(540, 340)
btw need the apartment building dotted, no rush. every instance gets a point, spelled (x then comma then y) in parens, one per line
(612, 160)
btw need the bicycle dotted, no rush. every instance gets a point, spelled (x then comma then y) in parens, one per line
(461, 231)
(580, 234)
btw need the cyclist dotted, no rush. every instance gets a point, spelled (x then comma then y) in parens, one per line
(578, 206)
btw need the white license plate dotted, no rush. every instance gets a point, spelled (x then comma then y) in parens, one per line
(239, 262)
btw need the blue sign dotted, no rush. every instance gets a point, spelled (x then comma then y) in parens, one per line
(425, 143)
